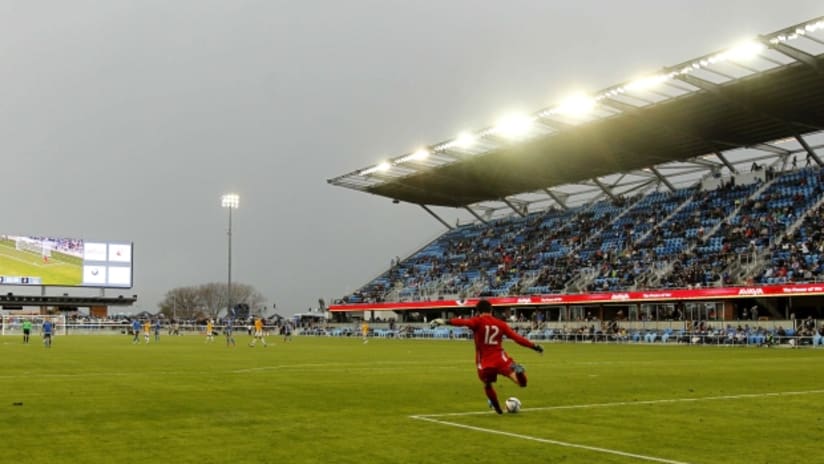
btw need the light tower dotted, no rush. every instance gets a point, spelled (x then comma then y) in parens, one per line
(230, 201)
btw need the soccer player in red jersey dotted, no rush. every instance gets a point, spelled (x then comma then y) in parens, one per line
(490, 357)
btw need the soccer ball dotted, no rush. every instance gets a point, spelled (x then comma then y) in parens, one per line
(513, 404)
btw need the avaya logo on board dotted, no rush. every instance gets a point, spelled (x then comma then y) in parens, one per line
(751, 291)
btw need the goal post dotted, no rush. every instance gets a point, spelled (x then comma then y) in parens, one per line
(13, 323)
(38, 247)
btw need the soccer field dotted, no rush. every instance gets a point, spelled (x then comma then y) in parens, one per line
(330, 400)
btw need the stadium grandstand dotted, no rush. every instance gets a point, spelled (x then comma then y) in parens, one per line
(696, 192)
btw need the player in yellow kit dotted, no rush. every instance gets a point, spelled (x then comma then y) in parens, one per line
(210, 331)
(258, 333)
(147, 330)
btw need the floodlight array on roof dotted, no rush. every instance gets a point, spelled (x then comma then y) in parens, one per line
(740, 61)
(799, 31)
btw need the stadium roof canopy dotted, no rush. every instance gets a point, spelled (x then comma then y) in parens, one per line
(761, 101)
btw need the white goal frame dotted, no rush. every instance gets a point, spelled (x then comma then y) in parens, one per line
(38, 247)
(13, 324)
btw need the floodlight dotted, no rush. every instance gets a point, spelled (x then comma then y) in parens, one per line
(382, 167)
(514, 125)
(814, 26)
(465, 140)
(744, 51)
(576, 105)
(230, 200)
(647, 82)
(421, 154)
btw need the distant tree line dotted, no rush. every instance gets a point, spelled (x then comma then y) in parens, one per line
(209, 300)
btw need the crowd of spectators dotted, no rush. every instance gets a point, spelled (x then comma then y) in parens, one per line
(690, 237)
(68, 246)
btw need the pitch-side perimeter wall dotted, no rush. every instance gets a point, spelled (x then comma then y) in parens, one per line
(628, 297)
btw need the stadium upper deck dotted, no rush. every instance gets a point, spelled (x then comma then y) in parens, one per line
(760, 101)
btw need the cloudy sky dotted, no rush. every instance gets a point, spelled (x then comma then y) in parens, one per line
(127, 120)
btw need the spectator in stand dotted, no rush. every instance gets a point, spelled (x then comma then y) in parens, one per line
(818, 338)
(780, 334)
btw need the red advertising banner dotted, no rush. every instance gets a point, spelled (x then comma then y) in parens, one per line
(637, 296)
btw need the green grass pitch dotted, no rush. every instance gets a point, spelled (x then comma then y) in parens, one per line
(100, 399)
(61, 269)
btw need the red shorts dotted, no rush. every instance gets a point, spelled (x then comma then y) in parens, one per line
(489, 370)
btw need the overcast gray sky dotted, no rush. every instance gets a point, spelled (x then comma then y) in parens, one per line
(127, 120)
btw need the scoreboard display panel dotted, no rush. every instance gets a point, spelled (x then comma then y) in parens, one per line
(65, 262)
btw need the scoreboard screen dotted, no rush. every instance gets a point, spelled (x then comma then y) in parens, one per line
(65, 262)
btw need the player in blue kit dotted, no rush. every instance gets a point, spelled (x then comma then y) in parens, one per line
(135, 331)
(227, 330)
(47, 333)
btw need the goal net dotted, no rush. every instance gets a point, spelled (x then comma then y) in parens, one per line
(13, 324)
(39, 247)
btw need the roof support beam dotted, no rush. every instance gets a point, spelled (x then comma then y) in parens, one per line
(638, 187)
(663, 179)
(518, 211)
(608, 191)
(795, 54)
(751, 107)
(703, 163)
(477, 216)
(811, 154)
(557, 199)
(772, 149)
(440, 219)
(726, 162)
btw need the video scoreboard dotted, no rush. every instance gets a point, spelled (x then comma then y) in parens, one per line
(65, 262)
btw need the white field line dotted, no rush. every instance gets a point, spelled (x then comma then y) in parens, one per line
(434, 419)
(550, 442)
(635, 403)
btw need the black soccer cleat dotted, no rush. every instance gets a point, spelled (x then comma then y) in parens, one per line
(495, 406)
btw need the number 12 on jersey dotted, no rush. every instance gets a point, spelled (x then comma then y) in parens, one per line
(491, 335)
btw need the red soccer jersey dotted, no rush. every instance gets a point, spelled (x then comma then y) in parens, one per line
(488, 332)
